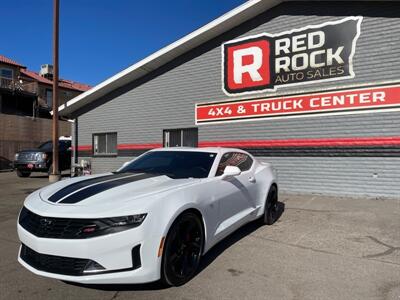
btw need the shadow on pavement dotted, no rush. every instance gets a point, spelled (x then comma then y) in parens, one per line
(236, 236)
(5, 164)
(65, 175)
(206, 260)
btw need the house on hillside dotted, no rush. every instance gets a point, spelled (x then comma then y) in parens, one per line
(25, 104)
(29, 93)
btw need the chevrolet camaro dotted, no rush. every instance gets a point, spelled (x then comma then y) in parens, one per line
(150, 220)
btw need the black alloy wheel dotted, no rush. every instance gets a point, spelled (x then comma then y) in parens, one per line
(182, 250)
(271, 206)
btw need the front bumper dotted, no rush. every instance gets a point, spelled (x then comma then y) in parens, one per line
(33, 166)
(113, 252)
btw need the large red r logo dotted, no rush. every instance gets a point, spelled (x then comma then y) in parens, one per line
(247, 65)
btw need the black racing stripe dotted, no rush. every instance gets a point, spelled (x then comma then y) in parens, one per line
(81, 184)
(98, 188)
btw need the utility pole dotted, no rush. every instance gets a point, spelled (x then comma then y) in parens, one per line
(55, 174)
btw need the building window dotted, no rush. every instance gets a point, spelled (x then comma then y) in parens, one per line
(237, 159)
(49, 97)
(6, 73)
(185, 137)
(105, 143)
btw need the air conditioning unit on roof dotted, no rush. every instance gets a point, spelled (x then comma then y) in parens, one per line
(46, 70)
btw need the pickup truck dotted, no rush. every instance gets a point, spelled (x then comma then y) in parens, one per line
(41, 158)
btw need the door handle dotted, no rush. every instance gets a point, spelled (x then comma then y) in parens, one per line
(252, 179)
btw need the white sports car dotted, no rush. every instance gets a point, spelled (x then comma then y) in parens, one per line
(152, 219)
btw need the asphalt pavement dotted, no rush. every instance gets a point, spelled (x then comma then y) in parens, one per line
(321, 248)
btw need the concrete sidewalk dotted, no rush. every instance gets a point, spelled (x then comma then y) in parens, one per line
(321, 248)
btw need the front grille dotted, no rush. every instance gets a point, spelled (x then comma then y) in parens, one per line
(27, 156)
(56, 228)
(53, 264)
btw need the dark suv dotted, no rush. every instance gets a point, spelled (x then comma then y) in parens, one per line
(40, 159)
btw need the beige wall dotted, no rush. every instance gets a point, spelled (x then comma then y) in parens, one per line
(18, 133)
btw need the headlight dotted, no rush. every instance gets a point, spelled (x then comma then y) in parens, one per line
(128, 220)
(111, 225)
(40, 156)
(16, 156)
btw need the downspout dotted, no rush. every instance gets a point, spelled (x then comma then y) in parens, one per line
(76, 141)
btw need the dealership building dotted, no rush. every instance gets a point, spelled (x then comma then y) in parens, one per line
(312, 87)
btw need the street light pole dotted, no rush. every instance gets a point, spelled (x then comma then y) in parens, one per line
(55, 174)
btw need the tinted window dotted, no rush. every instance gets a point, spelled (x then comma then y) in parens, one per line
(48, 146)
(175, 164)
(237, 159)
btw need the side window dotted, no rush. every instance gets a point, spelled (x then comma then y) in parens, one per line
(240, 160)
(6, 73)
(49, 98)
(184, 137)
(105, 143)
(246, 164)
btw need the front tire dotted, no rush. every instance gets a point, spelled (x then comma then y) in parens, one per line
(271, 206)
(21, 173)
(182, 250)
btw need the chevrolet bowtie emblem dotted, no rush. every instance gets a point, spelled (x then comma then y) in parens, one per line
(45, 222)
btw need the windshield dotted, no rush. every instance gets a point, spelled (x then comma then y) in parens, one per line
(175, 164)
(48, 146)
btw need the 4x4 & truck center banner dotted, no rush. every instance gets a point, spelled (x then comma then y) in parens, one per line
(307, 55)
(336, 102)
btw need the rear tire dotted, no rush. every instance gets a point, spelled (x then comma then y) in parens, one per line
(271, 206)
(21, 173)
(182, 250)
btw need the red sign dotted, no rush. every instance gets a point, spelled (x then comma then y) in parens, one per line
(267, 61)
(247, 65)
(337, 102)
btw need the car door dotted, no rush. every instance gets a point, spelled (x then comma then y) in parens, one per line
(236, 194)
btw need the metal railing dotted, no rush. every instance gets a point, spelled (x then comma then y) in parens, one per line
(13, 85)
(6, 83)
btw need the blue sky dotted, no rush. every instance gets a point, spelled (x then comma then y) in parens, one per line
(98, 38)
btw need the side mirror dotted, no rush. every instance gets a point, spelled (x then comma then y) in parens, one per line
(231, 171)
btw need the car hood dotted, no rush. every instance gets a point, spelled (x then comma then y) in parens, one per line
(30, 150)
(103, 193)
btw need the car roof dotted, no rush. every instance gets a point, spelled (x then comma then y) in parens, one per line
(201, 149)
